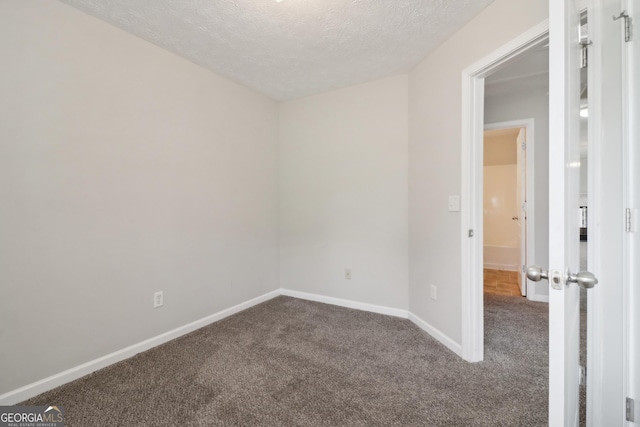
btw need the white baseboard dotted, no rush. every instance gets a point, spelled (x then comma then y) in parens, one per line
(532, 295)
(405, 314)
(38, 387)
(538, 297)
(503, 267)
(437, 334)
(347, 303)
(34, 389)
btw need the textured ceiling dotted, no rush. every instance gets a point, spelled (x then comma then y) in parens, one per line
(292, 48)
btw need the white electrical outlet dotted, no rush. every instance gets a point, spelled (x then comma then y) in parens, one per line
(434, 292)
(454, 203)
(347, 274)
(158, 299)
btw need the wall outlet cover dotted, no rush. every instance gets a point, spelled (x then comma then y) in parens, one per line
(158, 299)
(454, 203)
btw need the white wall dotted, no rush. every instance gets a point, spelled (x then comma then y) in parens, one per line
(434, 156)
(500, 206)
(124, 170)
(501, 239)
(530, 100)
(343, 193)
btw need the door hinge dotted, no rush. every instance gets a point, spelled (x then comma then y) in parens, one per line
(583, 374)
(471, 230)
(629, 409)
(524, 145)
(584, 53)
(627, 25)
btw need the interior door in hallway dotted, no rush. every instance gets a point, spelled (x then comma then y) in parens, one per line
(521, 214)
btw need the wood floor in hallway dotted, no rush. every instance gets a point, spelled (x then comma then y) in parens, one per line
(500, 282)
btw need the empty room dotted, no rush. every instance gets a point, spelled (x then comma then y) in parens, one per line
(269, 212)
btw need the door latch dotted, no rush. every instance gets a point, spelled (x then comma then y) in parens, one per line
(556, 278)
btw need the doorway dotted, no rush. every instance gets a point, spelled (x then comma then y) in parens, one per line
(508, 205)
(610, 305)
(515, 76)
(474, 118)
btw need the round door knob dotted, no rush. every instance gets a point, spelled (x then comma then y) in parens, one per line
(584, 279)
(536, 273)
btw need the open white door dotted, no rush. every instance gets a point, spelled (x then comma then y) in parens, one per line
(564, 187)
(521, 214)
(564, 164)
(632, 237)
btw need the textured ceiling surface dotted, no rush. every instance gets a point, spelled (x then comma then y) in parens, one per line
(292, 48)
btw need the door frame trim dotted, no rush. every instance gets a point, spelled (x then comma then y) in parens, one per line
(471, 190)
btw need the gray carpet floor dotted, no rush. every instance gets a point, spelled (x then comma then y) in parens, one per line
(289, 362)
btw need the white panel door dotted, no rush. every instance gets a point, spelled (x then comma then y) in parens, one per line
(606, 323)
(633, 201)
(564, 162)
